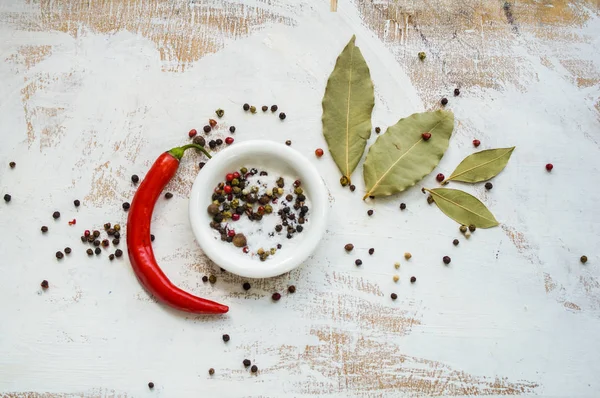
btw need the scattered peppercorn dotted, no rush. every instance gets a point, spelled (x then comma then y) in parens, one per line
(59, 255)
(246, 286)
(118, 253)
(370, 212)
(211, 371)
(348, 247)
(282, 116)
(98, 250)
(226, 338)
(201, 165)
(352, 188)
(212, 122)
(12, 165)
(192, 133)
(422, 55)
(229, 140)
(199, 140)
(254, 369)
(239, 240)
(265, 108)
(292, 289)
(394, 296)
(89, 252)
(455, 242)
(207, 129)
(115, 241)
(44, 229)
(246, 107)
(402, 206)
(407, 255)
(97, 242)
(583, 259)
(440, 177)
(168, 195)
(467, 234)
(253, 109)
(126, 206)
(413, 279)
(371, 251)
(444, 101)
(377, 130)
(488, 186)
(549, 166)
(397, 264)
(219, 141)
(220, 112)
(247, 362)
(426, 136)
(68, 250)
(456, 92)
(150, 385)
(44, 284)
(463, 228)
(152, 237)
(358, 262)
(76, 202)
(212, 279)
(476, 143)
(117, 227)
(288, 143)
(96, 233)
(318, 152)
(396, 278)
(276, 296)
(56, 215)
(446, 260)
(111, 256)
(430, 199)
(472, 228)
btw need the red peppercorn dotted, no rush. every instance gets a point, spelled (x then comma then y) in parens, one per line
(319, 152)
(229, 140)
(192, 133)
(426, 136)
(549, 166)
(86, 233)
(245, 249)
(276, 296)
(231, 233)
(476, 143)
(229, 177)
(236, 175)
(235, 217)
(227, 189)
(440, 177)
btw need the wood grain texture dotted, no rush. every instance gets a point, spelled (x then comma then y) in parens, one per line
(94, 90)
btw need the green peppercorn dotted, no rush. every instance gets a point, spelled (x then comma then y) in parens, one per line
(268, 209)
(298, 191)
(422, 55)
(235, 182)
(117, 227)
(344, 181)
(253, 109)
(583, 259)
(272, 251)
(236, 190)
(463, 228)
(212, 279)
(243, 171)
(430, 199)
(472, 228)
(220, 112)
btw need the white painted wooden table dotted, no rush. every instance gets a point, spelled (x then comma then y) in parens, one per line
(92, 92)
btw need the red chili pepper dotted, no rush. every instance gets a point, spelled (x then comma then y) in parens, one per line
(73, 222)
(139, 247)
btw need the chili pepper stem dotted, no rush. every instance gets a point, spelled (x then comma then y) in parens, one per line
(178, 152)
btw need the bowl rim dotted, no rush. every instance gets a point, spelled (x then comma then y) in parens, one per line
(220, 163)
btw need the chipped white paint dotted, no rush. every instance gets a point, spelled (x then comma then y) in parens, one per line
(514, 312)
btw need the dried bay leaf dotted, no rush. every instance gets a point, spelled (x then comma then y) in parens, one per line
(462, 207)
(347, 105)
(401, 157)
(482, 166)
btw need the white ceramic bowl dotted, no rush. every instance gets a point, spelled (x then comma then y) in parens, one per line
(274, 158)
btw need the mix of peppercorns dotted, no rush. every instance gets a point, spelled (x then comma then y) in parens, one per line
(242, 194)
(93, 237)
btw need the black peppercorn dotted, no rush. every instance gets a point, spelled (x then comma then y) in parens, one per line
(247, 362)
(12, 165)
(76, 202)
(212, 144)
(377, 130)
(299, 228)
(7, 198)
(583, 259)
(207, 129)
(402, 206)
(111, 257)
(488, 186)
(44, 229)
(55, 215)
(89, 252)
(168, 195)
(413, 279)
(126, 206)
(246, 107)
(456, 92)
(254, 369)
(232, 129)
(371, 251)
(205, 279)
(394, 296)
(59, 255)
(219, 141)
(265, 108)
(358, 262)
(44, 284)
(135, 179)
(352, 188)
(246, 286)
(98, 250)
(472, 228)
(444, 101)
(68, 250)
(370, 212)
(150, 385)
(107, 226)
(292, 289)
(152, 238)
(201, 165)
(226, 338)
(276, 296)
(446, 260)
(455, 242)
(211, 371)
(118, 253)
(288, 143)
(274, 108)
(97, 242)
(282, 116)
(115, 241)
(199, 140)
